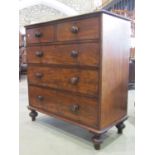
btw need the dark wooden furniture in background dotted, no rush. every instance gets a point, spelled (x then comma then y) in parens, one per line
(120, 5)
(22, 55)
(20, 46)
(132, 69)
(78, 70)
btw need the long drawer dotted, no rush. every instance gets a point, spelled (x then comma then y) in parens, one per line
(71, 79)
(73, 54)
(79, 109)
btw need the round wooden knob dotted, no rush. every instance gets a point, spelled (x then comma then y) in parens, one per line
(74, 29)
(40, 98)
(39, 75)
(75, 108)
(38, 34)
(74, 54)
(74, 80)
(39, 53)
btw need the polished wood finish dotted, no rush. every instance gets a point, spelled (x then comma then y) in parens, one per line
(86, 29)
(71, 79)
(80, 109)
(71, 54)
(114, 72)
(78, 70)
(41, 34)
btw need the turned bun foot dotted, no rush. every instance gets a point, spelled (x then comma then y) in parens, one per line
(120, 127)
(97, 141)
(97, 146)
(33, 114)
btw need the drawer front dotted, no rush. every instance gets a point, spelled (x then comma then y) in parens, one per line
(76, 80)
(75, 54)
(80, 109)
(78, 30)
(40, 34)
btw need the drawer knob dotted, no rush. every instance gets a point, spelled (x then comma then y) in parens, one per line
(74, 80)
(74, 29)
(74, 54)
(39, 53)
(40, 98)
(75, 108)
(39, 75)
(38, 34)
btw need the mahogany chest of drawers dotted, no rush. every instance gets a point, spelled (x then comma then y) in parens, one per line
(78, 70)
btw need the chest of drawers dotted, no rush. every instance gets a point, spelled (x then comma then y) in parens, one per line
(78, 71)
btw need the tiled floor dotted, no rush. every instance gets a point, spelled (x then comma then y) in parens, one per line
(48, 136)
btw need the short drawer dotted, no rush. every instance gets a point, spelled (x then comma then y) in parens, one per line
(78, 29)
(80, 109)
(75, 80)
(74, 54)
(40, 35)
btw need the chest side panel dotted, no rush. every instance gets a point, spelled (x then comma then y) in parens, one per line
(115, 57)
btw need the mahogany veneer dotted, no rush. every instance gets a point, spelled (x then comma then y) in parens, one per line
(78, 70)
